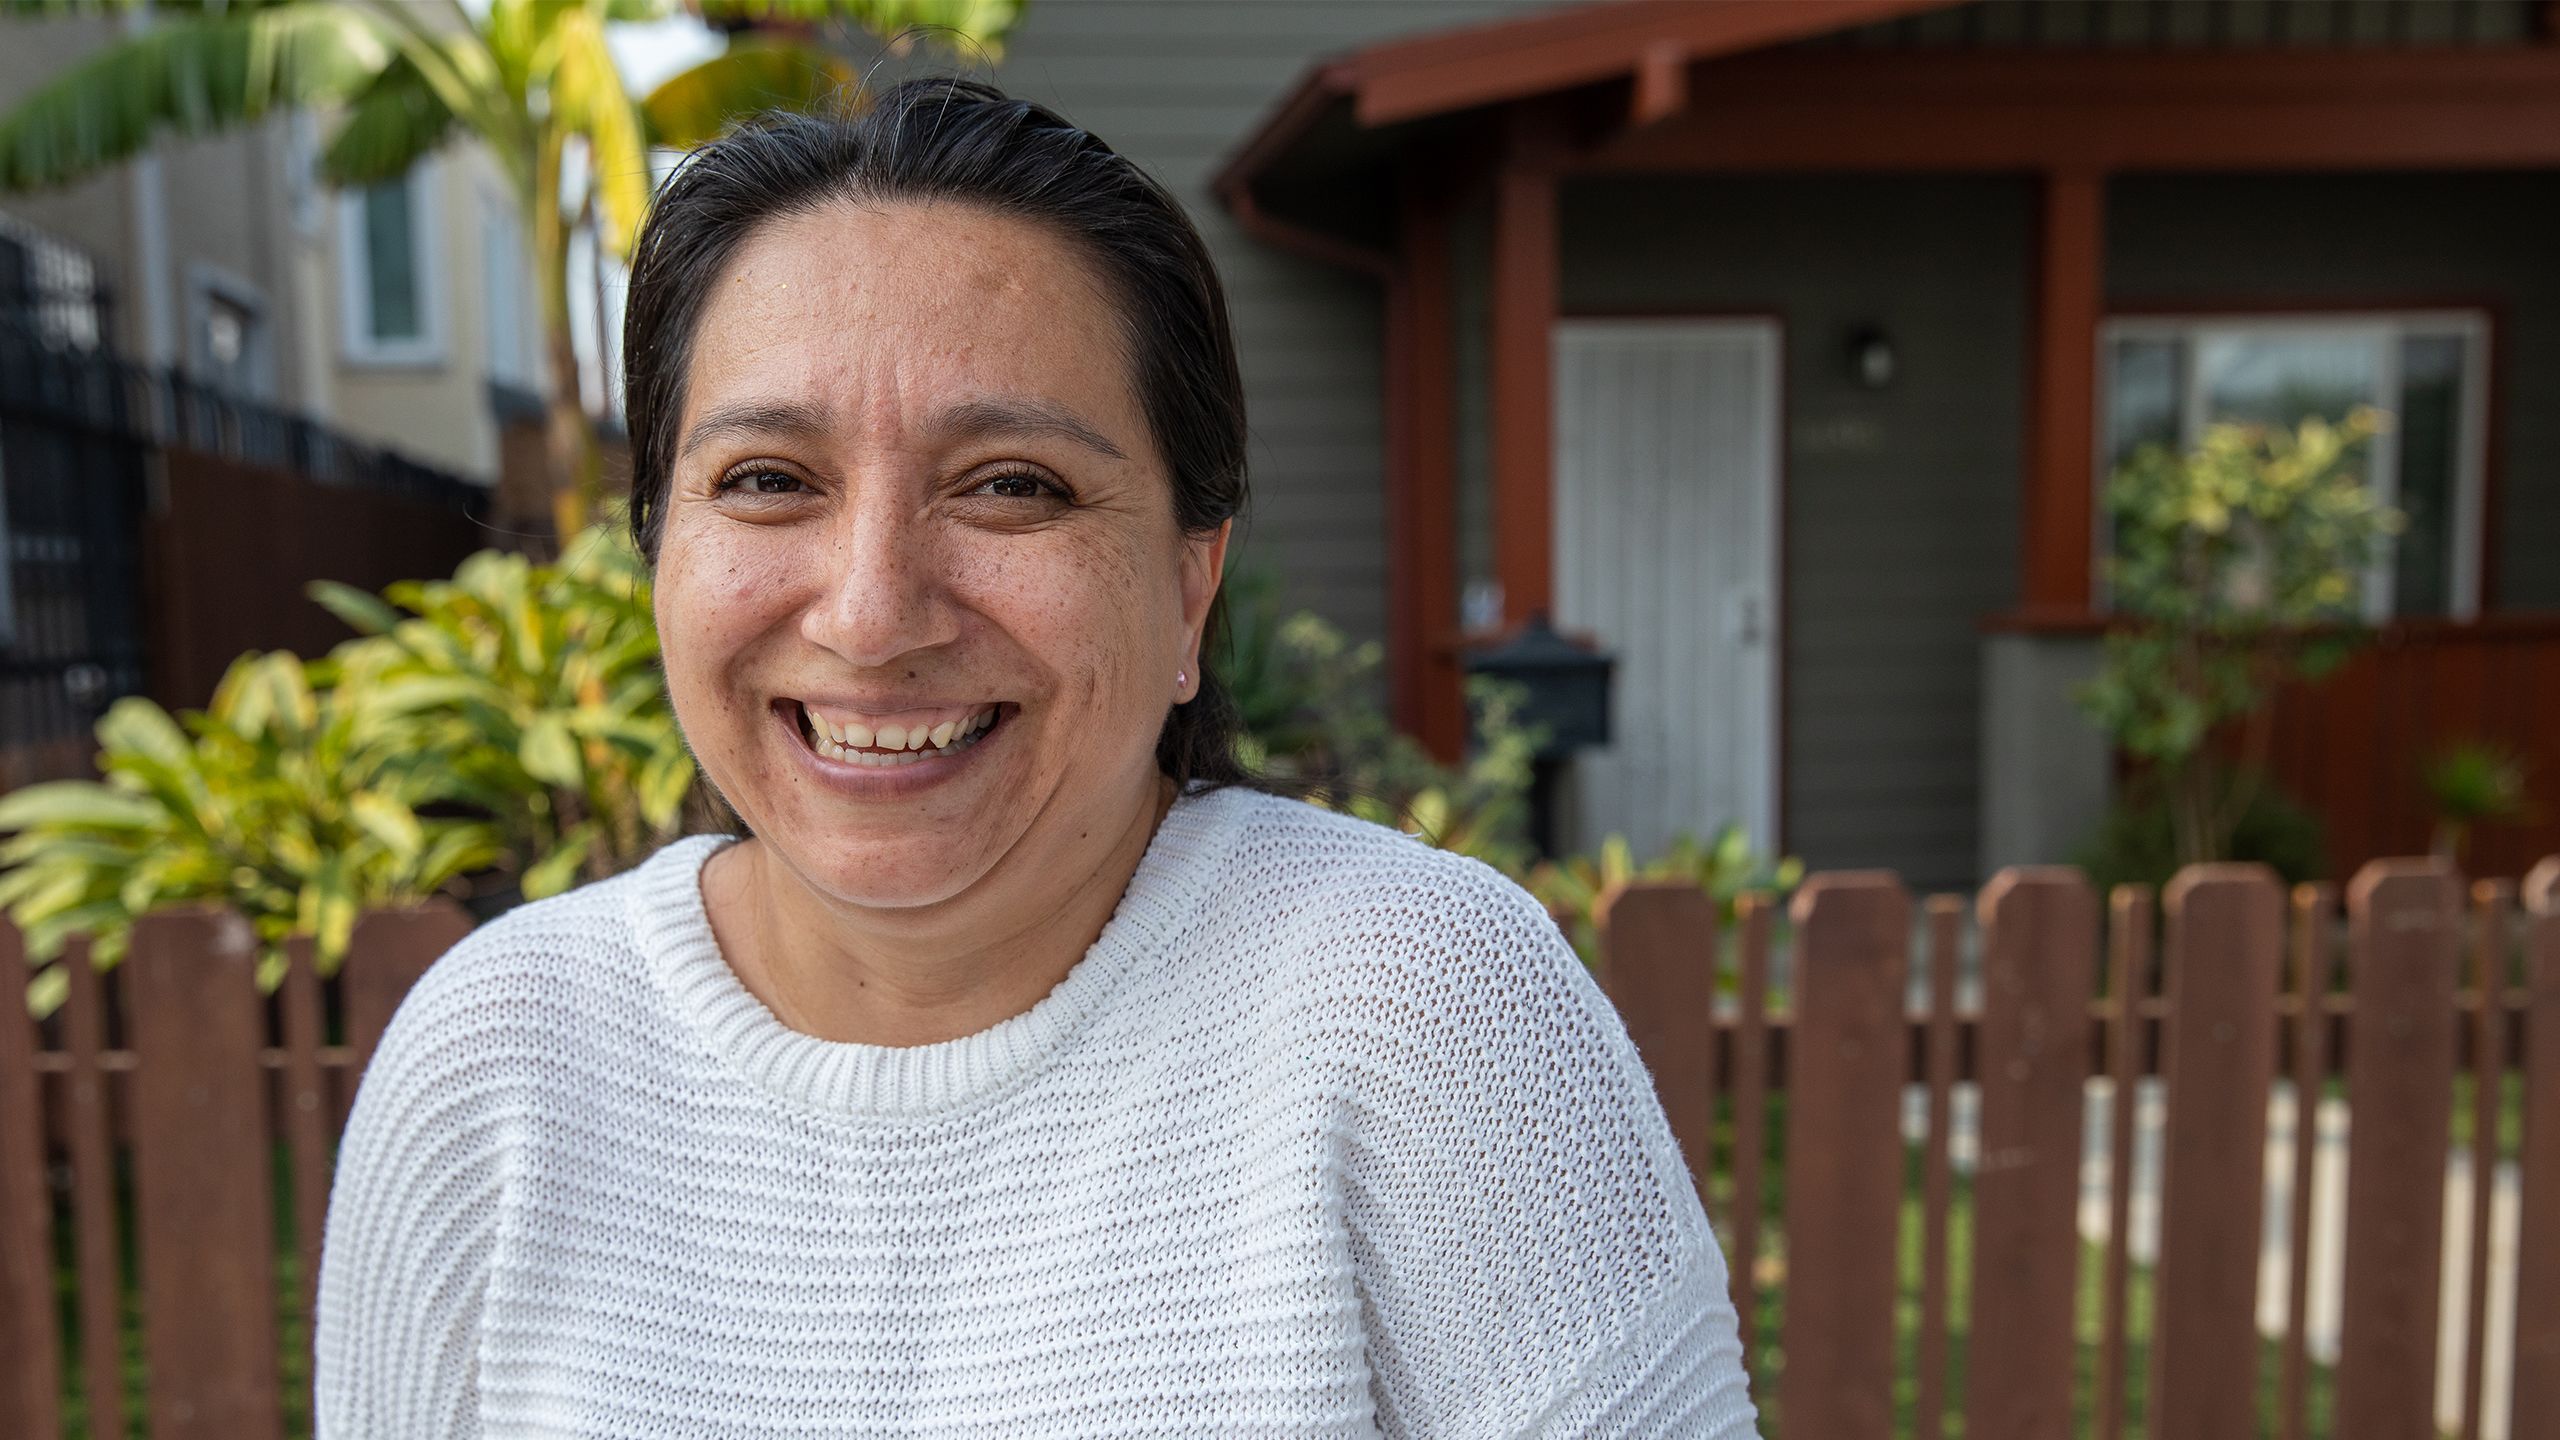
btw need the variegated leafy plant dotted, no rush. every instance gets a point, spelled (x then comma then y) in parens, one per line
(296, 803)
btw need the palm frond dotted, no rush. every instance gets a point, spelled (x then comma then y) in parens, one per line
(589, 98)
(972, 29)
(191, 77)
(700, 104)
(396, 121)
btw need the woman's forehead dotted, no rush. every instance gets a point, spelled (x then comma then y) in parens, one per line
(876, 300)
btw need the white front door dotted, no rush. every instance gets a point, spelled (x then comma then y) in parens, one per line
(1666, 495)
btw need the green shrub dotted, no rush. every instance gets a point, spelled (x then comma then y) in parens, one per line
(2136, 843)
(1725, 867)
(539, 687)
(297, 803)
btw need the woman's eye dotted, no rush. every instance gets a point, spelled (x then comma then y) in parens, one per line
(760, 482)
(1018, 486)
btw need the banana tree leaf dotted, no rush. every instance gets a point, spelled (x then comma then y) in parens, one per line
(588, 98)
(699, 105)
(973, 28)
(192, 76)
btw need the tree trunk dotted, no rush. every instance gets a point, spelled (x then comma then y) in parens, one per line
(570, 442)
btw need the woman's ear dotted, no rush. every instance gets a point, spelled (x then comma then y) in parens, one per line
(1204, 563)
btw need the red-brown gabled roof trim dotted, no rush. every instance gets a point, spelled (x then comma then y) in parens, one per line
(1506, 60)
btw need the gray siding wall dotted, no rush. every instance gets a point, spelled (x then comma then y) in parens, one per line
(1900, 505)
(1177, 87)
(2398, 238)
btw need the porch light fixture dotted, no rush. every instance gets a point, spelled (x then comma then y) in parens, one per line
(1871, 357)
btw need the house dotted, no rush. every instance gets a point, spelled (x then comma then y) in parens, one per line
(1782, 348)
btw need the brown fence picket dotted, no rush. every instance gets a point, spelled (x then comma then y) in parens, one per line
(30, 1351)
(2224, 951)
(1658, 964)
(1946, 940)
(306, 1119)
(2536, 1382)
(2129, 971)
(203, 1213)
(94, 1205)
(2315, 960)
(2039, 967)
(2404, 949)
(2491, 900)
(388, 952)
(1844, 1155)
(1750, 1088)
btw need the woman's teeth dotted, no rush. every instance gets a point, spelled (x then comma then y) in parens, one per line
(890, 745)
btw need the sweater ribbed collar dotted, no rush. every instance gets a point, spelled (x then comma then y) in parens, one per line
(888, 1082)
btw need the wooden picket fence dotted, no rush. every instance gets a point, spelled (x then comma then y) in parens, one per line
(2435, 984)
(175, 1063)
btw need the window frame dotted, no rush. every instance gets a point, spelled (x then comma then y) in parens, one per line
(357, 343)
(2467, 527)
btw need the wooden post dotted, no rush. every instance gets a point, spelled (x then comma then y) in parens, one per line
(1429, 699)
(1848, 1058)
(202, 1210)
(2537, 1347)
(2225, 949)
(2039, 969)
(30, 1351)
(388, 952)
(1525, 281)
(2404, 947)
(2058, 508)
(1658, 963)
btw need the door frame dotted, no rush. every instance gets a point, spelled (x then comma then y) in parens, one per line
(1769, 324)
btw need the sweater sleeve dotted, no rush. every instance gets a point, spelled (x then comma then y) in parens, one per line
(412, 1219)
(1533, 1257)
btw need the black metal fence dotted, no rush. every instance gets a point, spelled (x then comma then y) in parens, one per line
(78, 424)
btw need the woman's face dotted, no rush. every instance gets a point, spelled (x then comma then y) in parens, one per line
(915, 499)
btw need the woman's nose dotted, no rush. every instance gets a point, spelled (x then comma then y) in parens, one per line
(884, 595)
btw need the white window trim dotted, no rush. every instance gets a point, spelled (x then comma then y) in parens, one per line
(2470, 461)
(355, 282)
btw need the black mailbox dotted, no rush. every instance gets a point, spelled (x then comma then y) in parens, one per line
(1567, 683)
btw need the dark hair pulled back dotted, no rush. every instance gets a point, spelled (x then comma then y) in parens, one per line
(953, 139)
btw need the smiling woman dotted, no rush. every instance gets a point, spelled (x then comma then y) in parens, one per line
(1021, 1069)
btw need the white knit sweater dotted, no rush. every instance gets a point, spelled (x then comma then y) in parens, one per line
(1328, 1134)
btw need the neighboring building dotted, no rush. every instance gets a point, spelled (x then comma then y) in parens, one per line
(403, 315)
(1782, 347)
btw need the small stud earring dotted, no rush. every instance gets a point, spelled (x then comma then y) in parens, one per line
(1180, 677)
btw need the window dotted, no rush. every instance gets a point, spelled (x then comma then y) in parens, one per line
(389, 295)
(2166, 378)
(227, 341)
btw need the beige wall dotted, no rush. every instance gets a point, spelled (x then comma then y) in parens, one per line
(438, 410)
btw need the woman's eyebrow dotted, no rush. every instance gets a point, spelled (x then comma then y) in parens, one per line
(755, 417)
(985, 417)
(1017, 417)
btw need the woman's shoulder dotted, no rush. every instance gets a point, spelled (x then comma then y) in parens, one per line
(531, 973)
(1319, 862)
(1334, 904)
